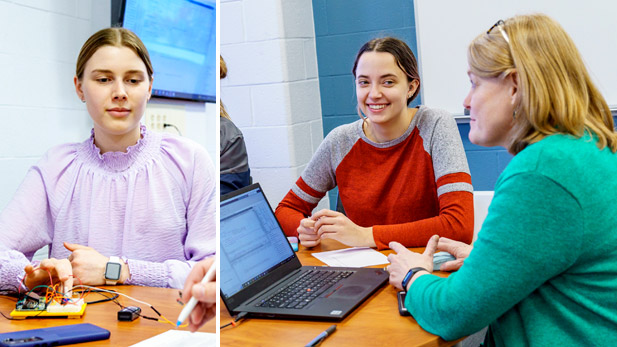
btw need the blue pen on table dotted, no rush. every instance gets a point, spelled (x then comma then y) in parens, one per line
(322, 336)
(186, 311)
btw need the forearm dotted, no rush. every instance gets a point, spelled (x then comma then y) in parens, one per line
(168, 274)
(290, 211)
(455, 221)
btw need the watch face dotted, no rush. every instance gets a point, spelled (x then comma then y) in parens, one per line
(112, 271)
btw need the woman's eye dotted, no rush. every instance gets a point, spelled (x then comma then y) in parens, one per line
(388, 83)
(103, 79)
(133, 81)
(362, 83)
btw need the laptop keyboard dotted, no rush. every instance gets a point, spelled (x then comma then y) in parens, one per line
(304, 289)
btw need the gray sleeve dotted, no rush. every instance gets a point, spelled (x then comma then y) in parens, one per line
(443, 142)
(320, 173)
(233, 150)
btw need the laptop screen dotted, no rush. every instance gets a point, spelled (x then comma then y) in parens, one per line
(252, 242)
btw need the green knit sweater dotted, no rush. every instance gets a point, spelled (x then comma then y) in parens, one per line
(543, 270)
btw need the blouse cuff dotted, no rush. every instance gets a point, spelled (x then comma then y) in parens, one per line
(145, 273)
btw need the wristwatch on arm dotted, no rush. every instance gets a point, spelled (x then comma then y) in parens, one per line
(113, 270)
(410, 275)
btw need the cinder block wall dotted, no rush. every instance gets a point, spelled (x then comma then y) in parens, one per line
(272, 87)
(38, 105)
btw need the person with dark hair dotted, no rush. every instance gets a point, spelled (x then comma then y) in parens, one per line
(235, 171)
(543, 271)
(401, 172)
(126, 206)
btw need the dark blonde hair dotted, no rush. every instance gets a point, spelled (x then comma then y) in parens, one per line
(118, 37)
(404, 57)
(557, 94)
(223, 74)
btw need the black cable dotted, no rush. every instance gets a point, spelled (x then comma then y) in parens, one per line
(167, 125)
(240, 316)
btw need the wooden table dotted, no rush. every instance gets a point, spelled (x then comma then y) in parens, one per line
(374, 323)
(105, 316)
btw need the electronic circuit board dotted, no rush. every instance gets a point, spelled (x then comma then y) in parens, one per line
(39, 308)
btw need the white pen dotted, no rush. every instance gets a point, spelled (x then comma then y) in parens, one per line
(186, 311)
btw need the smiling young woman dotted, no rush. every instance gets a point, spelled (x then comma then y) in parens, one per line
(126, 196)
(401, 172)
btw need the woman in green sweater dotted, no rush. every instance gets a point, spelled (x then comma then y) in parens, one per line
(543, 270)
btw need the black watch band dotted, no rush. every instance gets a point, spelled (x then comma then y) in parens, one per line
(410, 275)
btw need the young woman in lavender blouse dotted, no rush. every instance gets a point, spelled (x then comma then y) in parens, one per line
(128, 199)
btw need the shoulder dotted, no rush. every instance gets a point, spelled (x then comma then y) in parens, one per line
(428, 118)
(184, 152)
(58, 158)
(345, 133)
(560, 158)
(228, 129)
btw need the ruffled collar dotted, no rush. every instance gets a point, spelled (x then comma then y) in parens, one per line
(121, 161)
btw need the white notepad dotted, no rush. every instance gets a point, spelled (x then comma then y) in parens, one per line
(179, 338)
(352, 257)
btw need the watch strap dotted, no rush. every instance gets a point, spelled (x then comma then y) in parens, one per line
(410, 275)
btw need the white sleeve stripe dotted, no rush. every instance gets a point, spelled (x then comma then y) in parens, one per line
(454, 187)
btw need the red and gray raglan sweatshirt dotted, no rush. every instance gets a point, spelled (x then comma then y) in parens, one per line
(407, 189)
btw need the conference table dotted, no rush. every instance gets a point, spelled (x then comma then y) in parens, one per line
(104, 315)
(376, 322)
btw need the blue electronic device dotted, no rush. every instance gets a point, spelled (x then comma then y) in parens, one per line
(54, 336)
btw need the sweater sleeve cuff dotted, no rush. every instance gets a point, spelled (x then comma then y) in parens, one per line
(12, 264)
(145, 273)
(378, 237)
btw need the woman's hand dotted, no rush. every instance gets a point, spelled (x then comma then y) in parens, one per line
(335, 225)
(204, 293)
(306, 233)
(89, 265)
(52, 269)
(458, 249)
(404, 260)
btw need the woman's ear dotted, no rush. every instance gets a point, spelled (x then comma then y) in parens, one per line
(513, 80)
(78, 89)
(150, 88)
(413, 86)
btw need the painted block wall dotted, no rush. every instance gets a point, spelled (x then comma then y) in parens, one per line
(38, 105)
(272, 89)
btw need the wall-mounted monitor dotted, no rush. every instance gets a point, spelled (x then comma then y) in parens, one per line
(180, 36)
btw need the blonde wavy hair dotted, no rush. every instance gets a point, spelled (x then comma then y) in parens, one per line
(223, 74)
(556, 91)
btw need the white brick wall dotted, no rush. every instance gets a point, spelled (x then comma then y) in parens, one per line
(38, 107)
(272, 90)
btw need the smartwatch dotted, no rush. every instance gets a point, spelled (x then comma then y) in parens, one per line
(113, 271)
(410, 275)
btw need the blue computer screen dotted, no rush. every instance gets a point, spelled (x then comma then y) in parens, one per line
(252, 242)
(180, 36)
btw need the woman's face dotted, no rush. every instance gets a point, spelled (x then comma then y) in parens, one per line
(491, 103)
(382, 88)
(116, 88)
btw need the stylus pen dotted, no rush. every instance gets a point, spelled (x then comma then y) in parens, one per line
(186, 311)
(322, 336)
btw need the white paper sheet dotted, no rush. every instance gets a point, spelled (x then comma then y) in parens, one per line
(182, 338)
(352, 257)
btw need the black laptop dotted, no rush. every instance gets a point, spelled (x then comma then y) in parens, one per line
(261, 274)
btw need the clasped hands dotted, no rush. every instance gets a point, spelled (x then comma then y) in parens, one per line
(404, 260)
(84, 265)
(328, 224)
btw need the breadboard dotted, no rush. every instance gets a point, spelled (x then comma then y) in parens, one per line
(69, 310)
